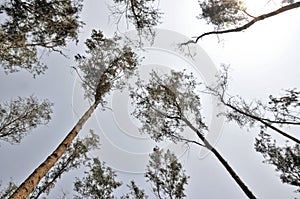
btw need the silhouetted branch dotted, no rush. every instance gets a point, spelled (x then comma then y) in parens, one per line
(247, 25)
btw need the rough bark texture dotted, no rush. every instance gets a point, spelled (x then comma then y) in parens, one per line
(32, 181)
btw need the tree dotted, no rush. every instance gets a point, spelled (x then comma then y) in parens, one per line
(167, 104)
(75, 157)
(231, 16)
(143, 14)
(33, 25)
(282, 111)
(20, 116)
(99, 182)
(163, 171)
(278, 112)
(226, 16)
(166, 175)
(286, 159)
(106, 65)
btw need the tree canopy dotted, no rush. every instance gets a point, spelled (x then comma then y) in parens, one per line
(31, 26)
(20, 116)
(166, 105)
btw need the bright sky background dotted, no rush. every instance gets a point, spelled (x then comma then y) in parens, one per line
(264, 60)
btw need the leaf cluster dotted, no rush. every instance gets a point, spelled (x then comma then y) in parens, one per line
(281, 110)
(223, 13)
(48, 24)
(107, 61)
(286, 159)
(22, 115)
(143, 14)
(165, 102)
(99, 182)
(166, 175)
(164, 172)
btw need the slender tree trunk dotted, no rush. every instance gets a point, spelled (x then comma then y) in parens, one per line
(230, 170)
(32, 181)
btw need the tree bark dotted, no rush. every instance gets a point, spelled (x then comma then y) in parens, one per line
(32, 181)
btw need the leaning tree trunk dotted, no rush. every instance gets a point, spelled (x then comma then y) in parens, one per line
(230, 170)
(32, 181)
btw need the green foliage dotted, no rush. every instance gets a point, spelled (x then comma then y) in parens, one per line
(286, 159)
(166, 175)
(164, 172)
(135, 192)
(282, 110)
(31, 24)
(286, 108)
(165, 103)
(143, 14)
(22, 115)
(6, 192)
(223, 12)
(75, 157)
(105, 66)
(99, 182)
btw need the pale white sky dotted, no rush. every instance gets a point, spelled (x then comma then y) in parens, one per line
(264, 59)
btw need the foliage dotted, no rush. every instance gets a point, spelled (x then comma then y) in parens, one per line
(164, 172)
(286, 159)
(223, 13)
(6, 192)
(135, 192)
(286, 108)
(75, 157)
(165, 103)
(277, 112)
(282, 111)
(144, 14)
(107, 62)
(166, 175)
(32, 25)
(99, 182)
(21, 115)
(168, 104)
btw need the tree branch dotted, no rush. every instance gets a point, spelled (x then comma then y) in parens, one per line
(247, 25)
(262, 121)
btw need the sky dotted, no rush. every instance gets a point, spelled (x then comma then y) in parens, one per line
(263, 60)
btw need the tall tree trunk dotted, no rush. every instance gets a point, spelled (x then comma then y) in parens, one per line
(230, 170)
(32, 181)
